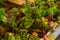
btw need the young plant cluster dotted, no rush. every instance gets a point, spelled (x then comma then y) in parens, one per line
(31, 21)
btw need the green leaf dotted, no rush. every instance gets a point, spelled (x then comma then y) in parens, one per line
(15, 10)
(17, 37)
(24, 10)
(51, 36)
(13, 24)
(13, 18)
(3, 18)
(36, 38)
(3, 15)
(11, 37)
(37, 13)
(12, 21)
(28, 24)
(37, 20)
(43, 13)
(46, 26)
(24, 35)
(2, 11)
